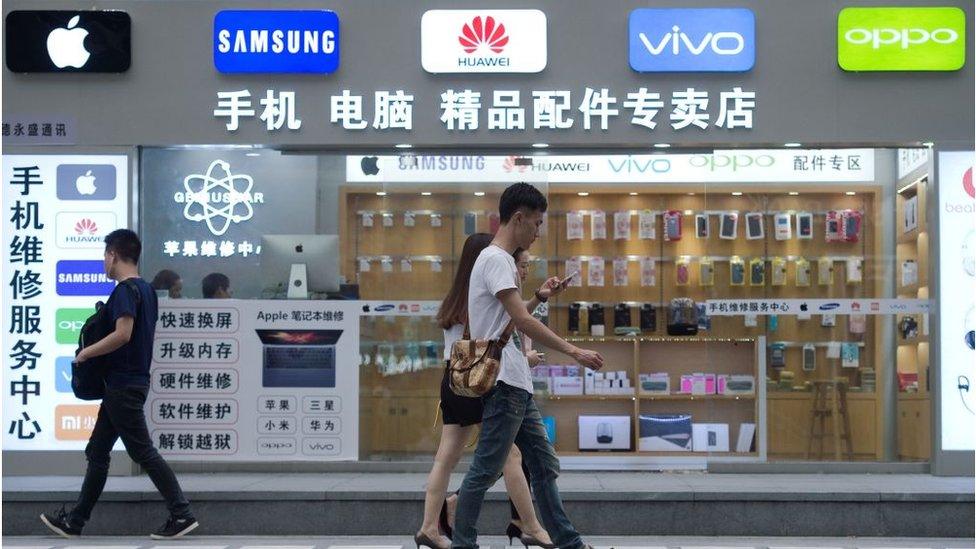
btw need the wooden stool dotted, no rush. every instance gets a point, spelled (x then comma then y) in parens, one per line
(836, 410)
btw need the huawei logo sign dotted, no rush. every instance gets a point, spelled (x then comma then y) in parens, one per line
(967, 183)
(483, 32)
(510, 166)
(86, 227)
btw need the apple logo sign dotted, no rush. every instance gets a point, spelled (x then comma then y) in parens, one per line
(86, 184)
(368, 165)
(66, 46)
(803, 307)
(298, 249)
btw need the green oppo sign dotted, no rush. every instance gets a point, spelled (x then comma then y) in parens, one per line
(901, 39)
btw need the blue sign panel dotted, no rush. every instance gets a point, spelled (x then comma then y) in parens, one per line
(692, 40)
(77, 277)
(296, 41)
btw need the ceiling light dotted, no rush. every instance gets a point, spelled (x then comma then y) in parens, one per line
(583, 193)
(928, 144)
(403, 146)
(850, 193)
(689, 212)
(479, 193)
(425, 193)
(633, 194)
(380, 193)
(252, 154)
(691, 194)
(661, 145)
(792, 145)
(794, 193)
(540, 145)
(736, 193)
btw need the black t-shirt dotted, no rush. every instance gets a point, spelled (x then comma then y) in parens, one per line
(129, 364)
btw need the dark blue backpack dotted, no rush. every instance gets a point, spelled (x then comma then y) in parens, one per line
(88, 378)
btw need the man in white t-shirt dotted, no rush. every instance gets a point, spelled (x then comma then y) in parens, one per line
(510, 413)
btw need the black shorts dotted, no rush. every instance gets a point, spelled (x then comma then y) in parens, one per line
(459, 410)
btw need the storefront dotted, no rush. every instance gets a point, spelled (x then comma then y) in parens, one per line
(791, 168)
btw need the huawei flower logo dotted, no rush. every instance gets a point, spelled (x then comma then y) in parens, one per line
(511, 165)
(967, 183)
(483, 32)
(86, 227)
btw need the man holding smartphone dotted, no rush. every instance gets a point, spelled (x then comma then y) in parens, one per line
(510, 413)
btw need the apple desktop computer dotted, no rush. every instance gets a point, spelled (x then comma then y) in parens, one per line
(302, 263)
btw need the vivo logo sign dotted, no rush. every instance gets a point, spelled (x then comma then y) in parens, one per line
(270, 41)
(692, 40)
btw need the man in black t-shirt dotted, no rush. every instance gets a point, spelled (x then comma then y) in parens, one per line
(128, 350)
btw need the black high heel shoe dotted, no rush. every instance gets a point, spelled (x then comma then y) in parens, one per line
(443, 522)
(514, 531)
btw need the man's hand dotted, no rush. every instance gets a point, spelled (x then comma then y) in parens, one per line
(590, 359)
(81, 356)
(534, 357)
(551, 288)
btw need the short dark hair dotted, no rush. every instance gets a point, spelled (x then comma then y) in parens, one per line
(214, 282)
(518, 196)
(125, 243)
(164, 279)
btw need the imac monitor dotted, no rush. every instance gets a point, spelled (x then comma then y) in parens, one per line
(300, 263)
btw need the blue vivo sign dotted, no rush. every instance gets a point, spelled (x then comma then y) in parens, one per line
(692, 40)
(301, 41)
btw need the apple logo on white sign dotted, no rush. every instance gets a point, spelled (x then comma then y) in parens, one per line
(86, 184)
(66, 46)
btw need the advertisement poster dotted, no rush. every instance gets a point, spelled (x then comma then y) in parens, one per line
(57, 210)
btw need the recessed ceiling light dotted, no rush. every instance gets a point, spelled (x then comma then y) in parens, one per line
(633, 194)
(425, 193)
(403, 146)
(252, 154)
(540, 145)
(479, 193)
(380, 193)
(794, 193)
(928, 144)
(691, 194)
(850, 193)
(792, 145)
(583, 193)
(736, 193)
(689, 212)
(661, 145)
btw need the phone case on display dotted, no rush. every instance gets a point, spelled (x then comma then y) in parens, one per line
(409, 219)
(851, 226)
(802, 272)
(908, 327)
(672, 225)
(809, 357)
(825, 271)
(857, 323)
(750, 320)
(621, 225)
(682, 317)
(828, 320)
(648, 318)
(755, 228)
(647, 225)
(706, 272)
(779, 271)
(574, 226)
(777, 355)
(783, 226)
(804, 226)
(596, 320)
(832, 226)
(682, 271)
(470, 223)
(729, 227)
(737, 271)
(854, 272)
(757, 272)
(704, 321)
(387, 220)
(772, 323)
(701, 226)
(598, 225)
(621, 315)
(574, 318)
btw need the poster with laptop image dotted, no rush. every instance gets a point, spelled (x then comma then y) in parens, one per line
(256, 380)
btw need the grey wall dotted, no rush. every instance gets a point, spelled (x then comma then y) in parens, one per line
(168, 95)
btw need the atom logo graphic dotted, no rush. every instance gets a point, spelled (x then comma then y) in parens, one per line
(215, 197)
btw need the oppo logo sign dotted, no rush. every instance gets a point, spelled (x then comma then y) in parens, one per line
(732, 162)
(901, 39)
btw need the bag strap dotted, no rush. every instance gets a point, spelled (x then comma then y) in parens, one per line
(136, 294)
(506, 334)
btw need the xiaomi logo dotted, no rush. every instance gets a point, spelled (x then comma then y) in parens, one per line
(74, 421)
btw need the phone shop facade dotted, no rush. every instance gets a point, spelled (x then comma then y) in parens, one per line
(769, 205)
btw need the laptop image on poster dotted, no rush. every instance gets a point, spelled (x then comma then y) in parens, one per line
(299, 358)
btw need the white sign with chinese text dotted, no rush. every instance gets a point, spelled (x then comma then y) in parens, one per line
(256, 380)
(747, 166)
(910, 160)
(57, 210)
(866, 306)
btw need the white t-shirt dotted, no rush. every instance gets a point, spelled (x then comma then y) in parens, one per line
(450, 336)
(495, 271)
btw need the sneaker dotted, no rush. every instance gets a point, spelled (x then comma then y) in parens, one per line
(60, 525)
(175, 528)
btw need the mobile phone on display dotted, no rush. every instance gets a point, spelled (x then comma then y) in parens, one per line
(730, 224)
(804, 226)
(754, 226)
(565, 282)
(701, 225)
(470, 223)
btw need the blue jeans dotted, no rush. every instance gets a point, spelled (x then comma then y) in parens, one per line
(511, 415)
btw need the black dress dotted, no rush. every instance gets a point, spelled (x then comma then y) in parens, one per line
(458, 410)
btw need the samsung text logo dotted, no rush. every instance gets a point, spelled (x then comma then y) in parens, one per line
(692, 40)
(292, 41)
(87, 277)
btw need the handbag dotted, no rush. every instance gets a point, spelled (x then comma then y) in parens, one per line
(88, 378)
(475, 363)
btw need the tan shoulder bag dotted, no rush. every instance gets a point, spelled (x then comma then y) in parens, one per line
(475, 363)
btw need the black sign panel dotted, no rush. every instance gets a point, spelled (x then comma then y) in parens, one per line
(68, 41)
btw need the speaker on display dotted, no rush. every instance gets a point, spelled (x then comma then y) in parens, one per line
(596, 320)
(574, 318)
(621, 315)
(648, 318)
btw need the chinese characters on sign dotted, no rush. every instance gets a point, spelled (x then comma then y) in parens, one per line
(507, 110)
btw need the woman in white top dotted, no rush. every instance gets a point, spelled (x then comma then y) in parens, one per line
(460, 415)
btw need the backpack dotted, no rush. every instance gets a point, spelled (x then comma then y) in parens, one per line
(682, 317)
(88, 378)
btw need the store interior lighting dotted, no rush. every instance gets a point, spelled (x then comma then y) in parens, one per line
(479, 193)
(380, 193)
(633, 194)
(403, 146)
(662, 145)
(540, 145)
(850, 193)
(583, 193)
(792, 145)
(425, 193)
(737, 193)
(793, 193)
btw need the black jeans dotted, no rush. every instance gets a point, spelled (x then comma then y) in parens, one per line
(121, 415)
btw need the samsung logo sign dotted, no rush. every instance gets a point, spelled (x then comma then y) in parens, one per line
(692, 40)
(82, 277)
(276, 41)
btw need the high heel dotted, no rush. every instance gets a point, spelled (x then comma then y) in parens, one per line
(514, 531)
(423, 540)
(443, 522)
